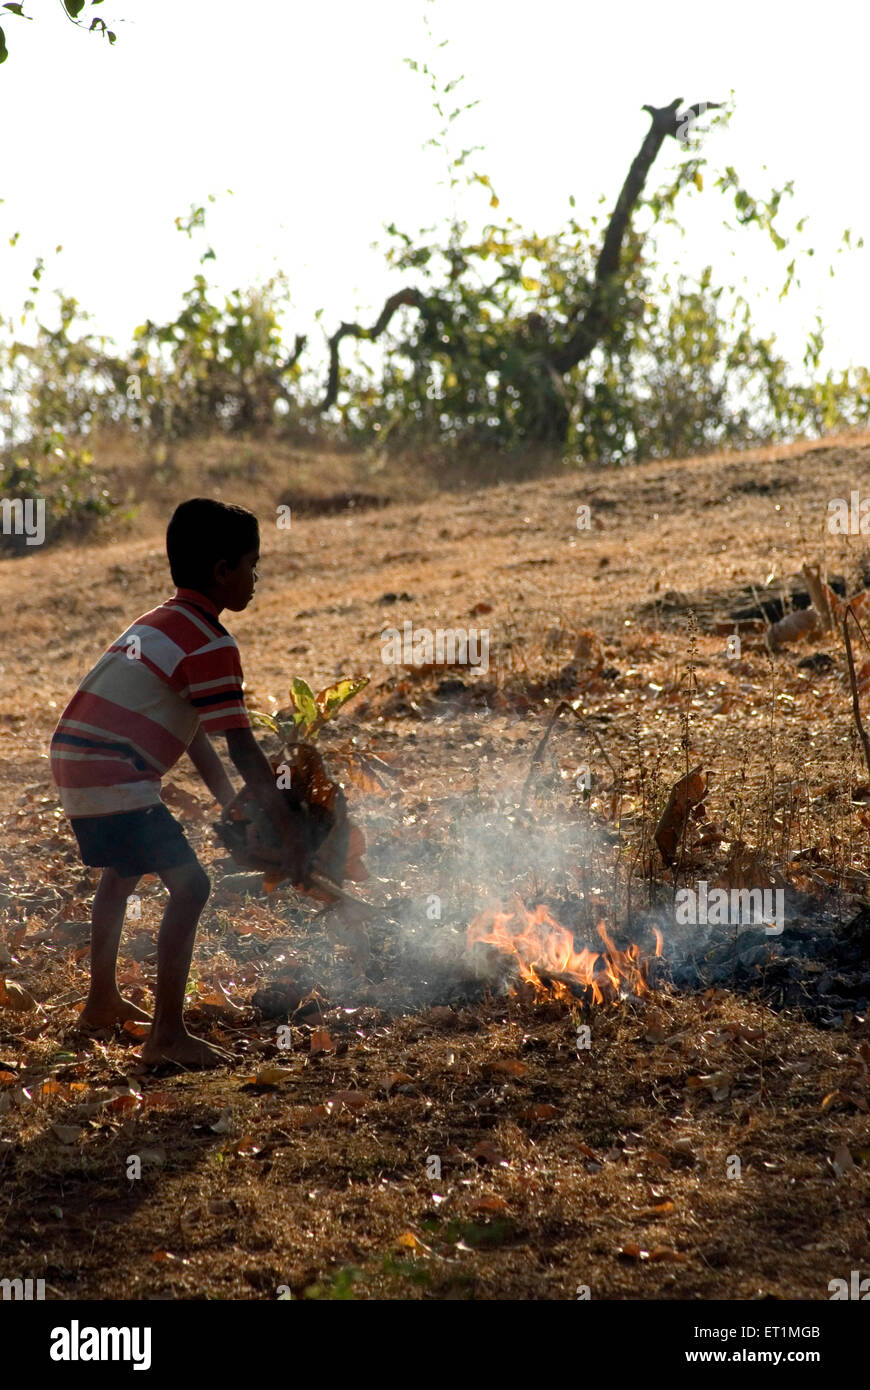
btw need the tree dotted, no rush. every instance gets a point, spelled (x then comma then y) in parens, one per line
(531, 359)
(510, 338)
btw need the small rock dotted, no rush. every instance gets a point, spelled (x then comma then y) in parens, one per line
(451, 685)
(755, 955)
(819, 661)
(141, 947)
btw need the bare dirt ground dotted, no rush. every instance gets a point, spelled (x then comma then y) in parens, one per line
(558, 1167)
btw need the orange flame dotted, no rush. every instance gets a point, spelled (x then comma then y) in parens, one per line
(545, 956)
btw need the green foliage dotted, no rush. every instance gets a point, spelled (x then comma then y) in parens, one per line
(72, 9)
(675, 370)
(309, 712)
(54, 389)
(337, 1287)
(219, 364)
(214, 365)
(67, 380)
(471, 366)
(61, 474)
(398, 1273)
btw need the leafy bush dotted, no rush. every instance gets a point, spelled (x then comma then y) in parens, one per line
(63, 476)
(215, 366)
(478, 351)
(66, 381)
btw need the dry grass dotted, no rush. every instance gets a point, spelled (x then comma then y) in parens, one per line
(337, 1201)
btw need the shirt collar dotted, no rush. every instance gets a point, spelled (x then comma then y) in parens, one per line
(194, 596)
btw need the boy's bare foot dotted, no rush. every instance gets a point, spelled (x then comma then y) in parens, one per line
(94, 1017)
(186, 1051)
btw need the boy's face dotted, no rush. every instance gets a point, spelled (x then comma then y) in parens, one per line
(234, 587)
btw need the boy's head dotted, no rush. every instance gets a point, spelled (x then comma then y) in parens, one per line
(214, 547)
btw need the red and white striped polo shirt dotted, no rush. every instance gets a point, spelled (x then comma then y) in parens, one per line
(133, 715)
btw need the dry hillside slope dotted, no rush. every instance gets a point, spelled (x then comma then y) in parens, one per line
(556, 1168)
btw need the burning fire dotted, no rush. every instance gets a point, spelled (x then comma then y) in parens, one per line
(544, 953)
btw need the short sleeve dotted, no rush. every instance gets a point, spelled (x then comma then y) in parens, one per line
(213, 682)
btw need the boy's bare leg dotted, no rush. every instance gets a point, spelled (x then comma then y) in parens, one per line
(169, 1040)
(105, 1006)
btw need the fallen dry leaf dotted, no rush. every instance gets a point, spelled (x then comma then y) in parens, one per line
(507, 1066)
(833, 1097)
(687, 793)
(490, 1205)
(489, 1154)
(128, 1100)
(354, 1100)
(408, 1241)
(539, 1112)
(397, 1078)
(246, 1147)
(270, 1075)
(159, 1100)
(314, 1115)
(50, 1088)
(794, 627)
(718, 1083)
(842, 1161)
(661, 1160)
(15, 996)
(648, 1213)
(321, 1041)
(217, 1002)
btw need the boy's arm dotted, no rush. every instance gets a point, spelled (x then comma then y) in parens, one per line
(250, 760)
(210, 768)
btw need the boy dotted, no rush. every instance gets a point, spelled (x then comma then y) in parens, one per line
(167, 683)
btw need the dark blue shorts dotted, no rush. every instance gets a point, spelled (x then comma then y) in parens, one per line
(133, 842)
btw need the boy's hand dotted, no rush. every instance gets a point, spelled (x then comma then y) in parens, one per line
(252, 763)
(236, 803)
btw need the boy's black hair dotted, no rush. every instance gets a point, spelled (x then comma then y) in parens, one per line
(203, 532)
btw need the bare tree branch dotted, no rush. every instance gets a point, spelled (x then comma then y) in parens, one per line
(278, 375)
(665, 121)
(410, 297)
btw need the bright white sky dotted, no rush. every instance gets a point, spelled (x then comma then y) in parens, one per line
(307, 112)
